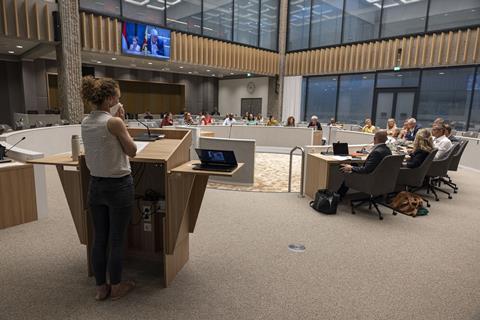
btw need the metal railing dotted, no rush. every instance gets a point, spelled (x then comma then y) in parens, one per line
(302, 194)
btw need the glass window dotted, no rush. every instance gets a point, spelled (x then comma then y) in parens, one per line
(446, 14)
(269, 24)
(321, 98)
(475, 114)
(145, 11)
(298, 24)
(403, 17)
(109, 7)
(217, 19)
(445, 93)
(245, 22)
(355, 98)
(362, 20)
(326, 22)
(398, 79)
(185, 15)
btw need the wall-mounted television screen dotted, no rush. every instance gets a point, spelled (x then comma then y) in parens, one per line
(144, 40)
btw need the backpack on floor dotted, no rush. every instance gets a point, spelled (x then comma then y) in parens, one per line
(325, 202)
(407, 203)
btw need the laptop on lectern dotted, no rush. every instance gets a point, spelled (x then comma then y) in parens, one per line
(340, 149)
(215, 160)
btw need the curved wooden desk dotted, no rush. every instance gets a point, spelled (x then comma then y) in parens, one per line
(162, 168)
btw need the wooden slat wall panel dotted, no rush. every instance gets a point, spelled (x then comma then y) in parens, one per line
(27, 19)
(452, 48)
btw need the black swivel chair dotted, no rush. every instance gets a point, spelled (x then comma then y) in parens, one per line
(409, 179)
(439, 169)
(454, 165)
(378, 183)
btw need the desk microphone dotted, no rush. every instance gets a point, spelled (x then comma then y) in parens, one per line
(23, 138)
(151, 136)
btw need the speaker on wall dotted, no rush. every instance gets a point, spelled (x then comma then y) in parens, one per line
(57, 30)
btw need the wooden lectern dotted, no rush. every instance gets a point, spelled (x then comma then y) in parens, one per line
(168, 195)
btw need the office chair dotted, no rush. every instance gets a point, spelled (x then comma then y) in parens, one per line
(454, 165)
(409, 179)
(439, 169)
(376, 184)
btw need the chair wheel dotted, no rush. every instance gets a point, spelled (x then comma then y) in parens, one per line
(455, 191)
(428, 205)
(437, 199)
(449, 197)
(394, 213)
(381, 218)
(353, 211)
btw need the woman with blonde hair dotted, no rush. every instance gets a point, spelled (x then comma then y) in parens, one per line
(391, 127)
(422, 146)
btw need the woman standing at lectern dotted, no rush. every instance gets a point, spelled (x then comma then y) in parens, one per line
(111, 191)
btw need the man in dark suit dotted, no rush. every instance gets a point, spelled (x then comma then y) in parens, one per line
(379, 151)
(154, 44)
(413, 128)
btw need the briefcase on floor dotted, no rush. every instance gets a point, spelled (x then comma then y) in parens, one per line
(325, 202)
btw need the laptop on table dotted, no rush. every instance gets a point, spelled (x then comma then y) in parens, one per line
(216, 160)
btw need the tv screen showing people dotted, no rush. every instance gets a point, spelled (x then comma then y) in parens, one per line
(145, 40)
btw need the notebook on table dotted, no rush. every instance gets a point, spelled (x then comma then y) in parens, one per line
(215, 160)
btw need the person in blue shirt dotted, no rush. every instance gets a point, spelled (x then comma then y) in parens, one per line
(413, 128)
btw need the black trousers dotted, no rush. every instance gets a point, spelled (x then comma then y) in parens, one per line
(111, 202)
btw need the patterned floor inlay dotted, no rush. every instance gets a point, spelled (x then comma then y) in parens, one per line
(271, 174)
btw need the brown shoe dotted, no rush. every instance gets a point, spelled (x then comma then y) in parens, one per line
(103, 292)
(122, 289)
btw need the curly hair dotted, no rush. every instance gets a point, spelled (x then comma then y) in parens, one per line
(97, 91)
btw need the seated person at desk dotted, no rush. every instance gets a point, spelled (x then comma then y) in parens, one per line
(314, 123)
(368, 127)
(187, 119)
(167, 120)
(272, 121)
(379, 151)
(148, 115)
(229, 120)
(422, 146)
(111, 191)
(413, 128)
(440, 141)
(448, 133)
(290, 122)
(251, 120)
(392, 129)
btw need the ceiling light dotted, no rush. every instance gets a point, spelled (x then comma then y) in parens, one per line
(190, 72)
(213, 74)
(99, 61)
(20, 47)
(181, 67)
(441, 73)
(249, 74)
(11, 52)
(150, 63)
(114, 58)
(208, 70)
(231, 73)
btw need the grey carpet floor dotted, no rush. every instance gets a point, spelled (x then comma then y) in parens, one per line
(354, 266)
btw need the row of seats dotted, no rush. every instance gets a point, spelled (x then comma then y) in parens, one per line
(390, 177)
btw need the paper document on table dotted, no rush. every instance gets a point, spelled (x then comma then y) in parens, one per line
(342, 158)
(141, 145)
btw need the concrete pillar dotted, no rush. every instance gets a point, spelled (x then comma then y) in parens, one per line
(275, 107)
(69, 62)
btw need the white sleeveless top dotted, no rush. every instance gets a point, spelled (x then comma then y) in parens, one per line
(103, 152)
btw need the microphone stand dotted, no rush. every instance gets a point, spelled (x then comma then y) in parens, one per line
(148, 136)
(3, 151)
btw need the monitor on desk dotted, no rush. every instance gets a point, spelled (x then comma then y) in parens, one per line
(340, 149)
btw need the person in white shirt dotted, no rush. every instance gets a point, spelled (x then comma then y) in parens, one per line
(229, 120)
(440, 141)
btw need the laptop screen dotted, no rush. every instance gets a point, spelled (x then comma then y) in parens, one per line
(340, 149)
(217, 157)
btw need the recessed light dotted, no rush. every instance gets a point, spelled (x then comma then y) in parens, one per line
(364, 77)
(181, 67)
(20, 47)
(208, 70)
(249, 74)
(114, 58)
(11, 52)
(441, 73)
(213, 74)
(190, 72)
(150, 63)
(99, 61)
(231, 73)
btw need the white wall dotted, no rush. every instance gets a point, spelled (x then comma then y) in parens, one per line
(230, 93)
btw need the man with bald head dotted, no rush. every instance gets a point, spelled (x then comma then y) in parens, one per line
(379, 151)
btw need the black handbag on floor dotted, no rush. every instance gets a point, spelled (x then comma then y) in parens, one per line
(325, 202)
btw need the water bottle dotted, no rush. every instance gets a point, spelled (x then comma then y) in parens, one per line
(75, 147)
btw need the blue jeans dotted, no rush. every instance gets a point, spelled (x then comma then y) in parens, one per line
(111, 202)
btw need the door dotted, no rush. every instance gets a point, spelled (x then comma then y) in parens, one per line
(393, 103)
(251, 105)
